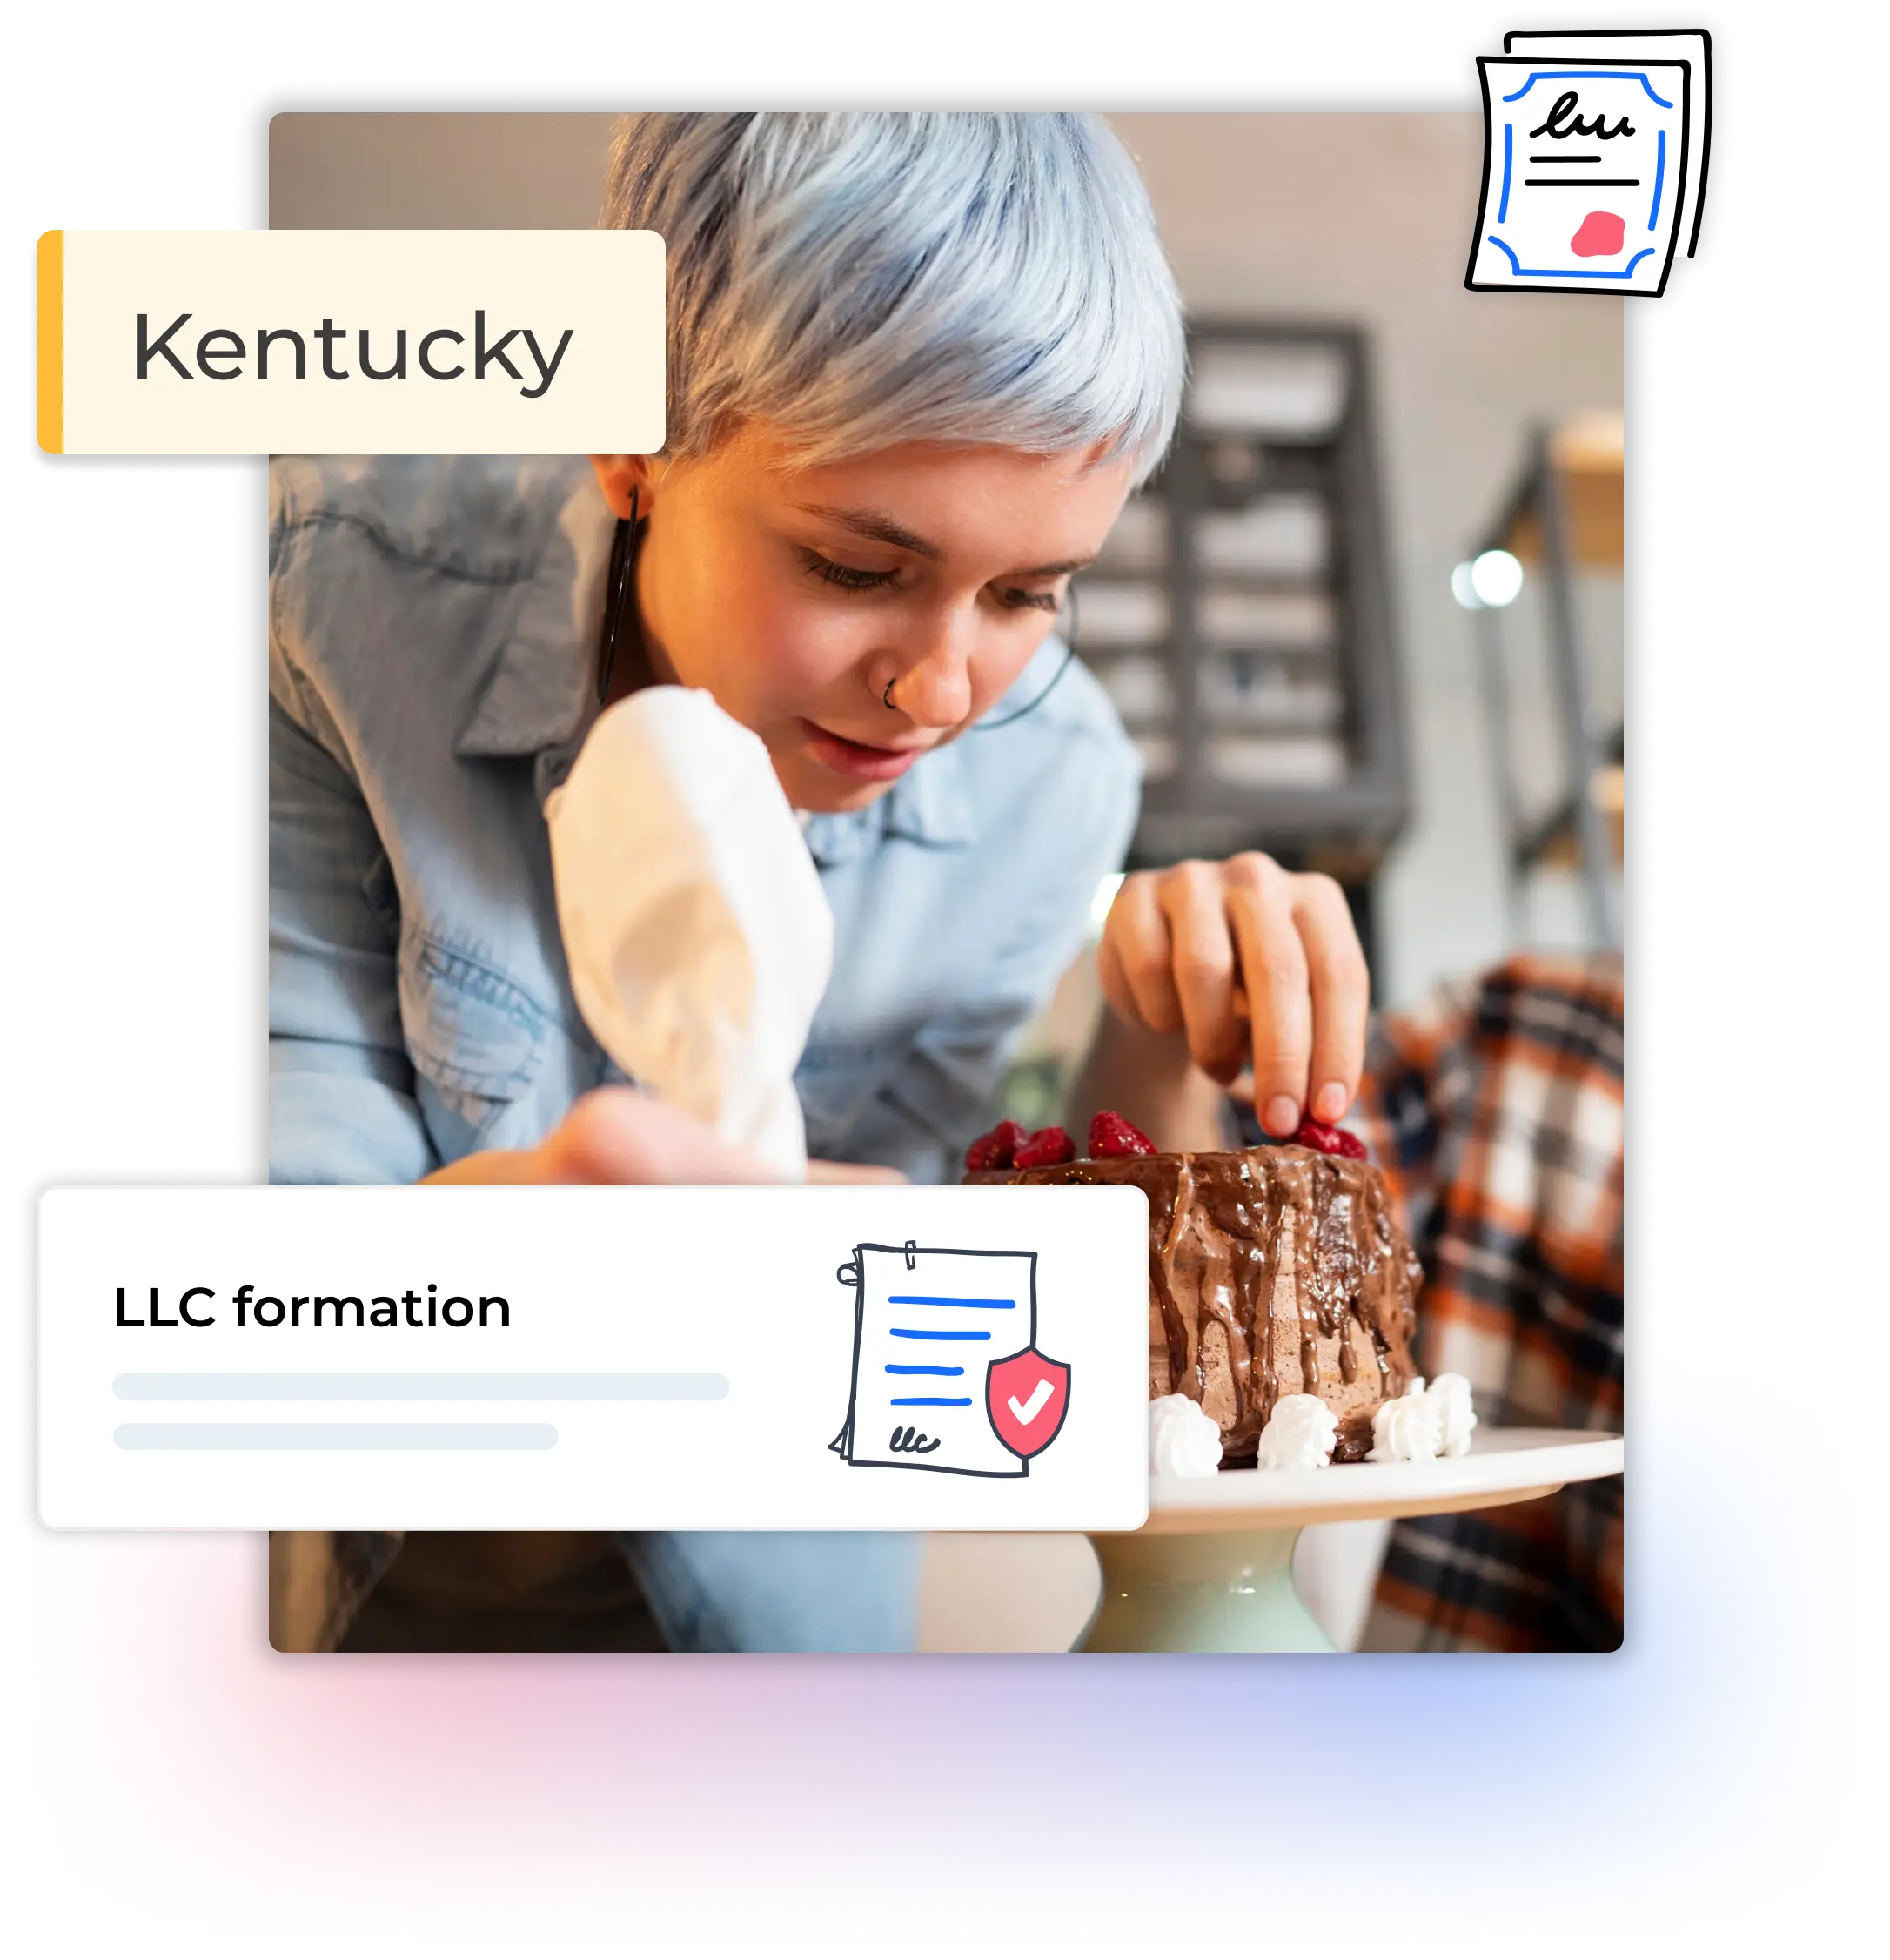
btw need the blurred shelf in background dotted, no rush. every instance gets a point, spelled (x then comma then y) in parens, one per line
(1587, 454)
(1553, 840)
(1240, 615)
(1562, 519)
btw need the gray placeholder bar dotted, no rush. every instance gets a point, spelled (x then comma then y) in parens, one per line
(335, 1436)
(420, 1388)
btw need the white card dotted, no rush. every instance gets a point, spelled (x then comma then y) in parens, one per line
(546, 1357)
(1585, 169)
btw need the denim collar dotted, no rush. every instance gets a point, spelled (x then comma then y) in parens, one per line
(539, 699)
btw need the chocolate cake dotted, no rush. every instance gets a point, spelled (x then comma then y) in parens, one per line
(1277, 1271)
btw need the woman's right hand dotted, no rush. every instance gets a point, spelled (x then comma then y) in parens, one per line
(620, 1136)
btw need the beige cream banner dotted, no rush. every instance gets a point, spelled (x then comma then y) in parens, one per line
(350, 343)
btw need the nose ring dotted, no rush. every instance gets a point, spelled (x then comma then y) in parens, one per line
(885, 699)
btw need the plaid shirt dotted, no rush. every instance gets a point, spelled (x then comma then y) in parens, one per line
(1495, 1109)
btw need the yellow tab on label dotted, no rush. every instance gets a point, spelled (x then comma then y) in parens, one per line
(52, 342)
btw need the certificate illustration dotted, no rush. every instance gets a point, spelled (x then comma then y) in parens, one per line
(947, 1374)
(1585, 174)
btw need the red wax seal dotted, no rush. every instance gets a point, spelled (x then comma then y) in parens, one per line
(1601, 236)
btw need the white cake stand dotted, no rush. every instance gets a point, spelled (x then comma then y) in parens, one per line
(1212, 1570)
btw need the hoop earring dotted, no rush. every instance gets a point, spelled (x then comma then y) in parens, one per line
(617, 585)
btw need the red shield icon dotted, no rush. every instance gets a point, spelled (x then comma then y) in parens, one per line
(1027, 1396)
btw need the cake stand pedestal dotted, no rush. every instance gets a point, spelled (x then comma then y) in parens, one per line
(1212, 1570)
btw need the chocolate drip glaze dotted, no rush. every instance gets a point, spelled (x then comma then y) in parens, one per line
(1271, 1271)
(1178, 1329)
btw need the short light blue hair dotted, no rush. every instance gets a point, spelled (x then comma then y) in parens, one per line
(865, 279)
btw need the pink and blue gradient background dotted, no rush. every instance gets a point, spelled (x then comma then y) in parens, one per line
(1707, 1772)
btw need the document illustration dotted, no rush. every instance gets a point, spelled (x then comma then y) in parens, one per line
(1584, 176)
(947, 1374)
(1595, 48)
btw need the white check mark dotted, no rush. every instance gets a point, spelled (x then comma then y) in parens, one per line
(1026, 1412)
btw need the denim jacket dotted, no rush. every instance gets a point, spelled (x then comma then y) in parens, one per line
(434, 625)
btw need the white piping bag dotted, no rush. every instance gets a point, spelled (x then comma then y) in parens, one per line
(698, 938)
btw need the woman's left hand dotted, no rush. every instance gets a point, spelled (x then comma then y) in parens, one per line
(1246, 961)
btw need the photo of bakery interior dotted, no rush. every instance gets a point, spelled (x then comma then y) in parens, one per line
(1318, 743)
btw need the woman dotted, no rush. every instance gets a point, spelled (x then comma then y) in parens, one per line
(916, 364)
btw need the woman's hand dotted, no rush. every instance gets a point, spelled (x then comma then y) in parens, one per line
(620, 1136)
(1245, 959)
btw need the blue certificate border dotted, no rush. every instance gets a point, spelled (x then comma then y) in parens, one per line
(1579, 278)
